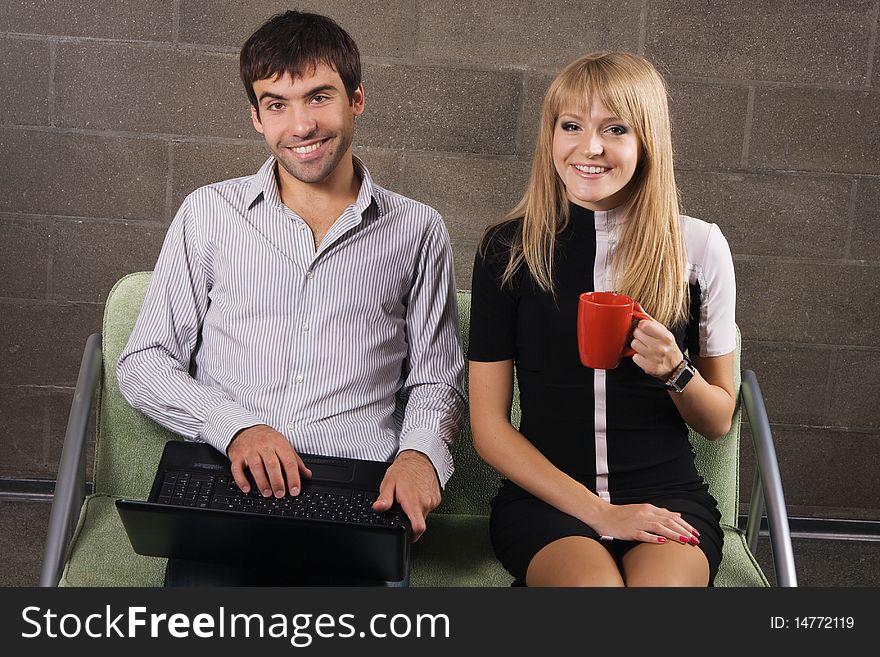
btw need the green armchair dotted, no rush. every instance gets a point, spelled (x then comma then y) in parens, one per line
(87, 545)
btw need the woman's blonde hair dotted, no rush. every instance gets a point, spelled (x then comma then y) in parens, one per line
(648, 263)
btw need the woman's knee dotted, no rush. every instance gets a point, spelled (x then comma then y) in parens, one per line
(665, 566)
(574, 561)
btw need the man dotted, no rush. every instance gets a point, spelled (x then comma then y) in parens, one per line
(305, 308)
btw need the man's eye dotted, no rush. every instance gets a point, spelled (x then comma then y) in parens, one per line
(320, 98)
(275, 106)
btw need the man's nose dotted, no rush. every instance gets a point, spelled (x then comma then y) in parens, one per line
(302, 123)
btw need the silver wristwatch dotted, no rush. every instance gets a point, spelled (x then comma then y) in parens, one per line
(680, 376)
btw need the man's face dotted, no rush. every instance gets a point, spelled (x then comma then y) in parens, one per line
(307, 122)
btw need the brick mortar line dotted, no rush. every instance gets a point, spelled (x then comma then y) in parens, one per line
(762, 170)
(46, 447)
(823, 427)
(747, 128)
(787, 260)
(851, 219)
(414, 61)
(131, 134)
(169, 182)
(872, 43)
(48, 387)
(833, 366)
(50, 262)
(48, 302)
(34, 219)
(53, 62)
(736, 82)
(145, 43)
(520, 114)
(815, 346)
(175, 21)
(772, 84)
(642, 44)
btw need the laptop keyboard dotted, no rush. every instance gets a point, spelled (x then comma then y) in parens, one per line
(208, 491)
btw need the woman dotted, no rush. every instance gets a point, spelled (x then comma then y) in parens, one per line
(600, 485)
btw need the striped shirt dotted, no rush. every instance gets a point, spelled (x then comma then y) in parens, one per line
(348, 349)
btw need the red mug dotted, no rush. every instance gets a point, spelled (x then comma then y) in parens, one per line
(604, 326)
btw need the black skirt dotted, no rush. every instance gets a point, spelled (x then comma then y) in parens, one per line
(521, 525)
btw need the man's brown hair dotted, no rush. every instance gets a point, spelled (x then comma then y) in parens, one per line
(294, 42)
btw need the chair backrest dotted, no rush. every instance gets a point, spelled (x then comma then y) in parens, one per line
(474, 482)
(718, 460)
(129, 445)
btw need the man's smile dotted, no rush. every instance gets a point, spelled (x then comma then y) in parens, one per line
(304, 151)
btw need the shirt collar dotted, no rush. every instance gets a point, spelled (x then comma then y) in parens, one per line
(264, 183)
(604, 218)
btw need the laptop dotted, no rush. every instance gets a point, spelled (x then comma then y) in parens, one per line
(196, 511)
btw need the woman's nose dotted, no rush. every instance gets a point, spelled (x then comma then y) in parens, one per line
(594, 146)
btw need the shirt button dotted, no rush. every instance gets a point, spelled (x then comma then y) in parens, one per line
(310, 274)
(299, 378)
(305, 328)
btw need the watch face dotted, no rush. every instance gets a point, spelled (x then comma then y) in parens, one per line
(686, 375)
(679, 382)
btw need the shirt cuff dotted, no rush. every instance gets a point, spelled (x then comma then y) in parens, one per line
(429, 444)
(224, 421)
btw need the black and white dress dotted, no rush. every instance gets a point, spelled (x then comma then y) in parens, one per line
(615, 431)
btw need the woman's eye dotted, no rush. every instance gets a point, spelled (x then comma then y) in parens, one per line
(568, 126)
(617, 130)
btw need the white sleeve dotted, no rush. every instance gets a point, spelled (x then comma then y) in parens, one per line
(717, 297)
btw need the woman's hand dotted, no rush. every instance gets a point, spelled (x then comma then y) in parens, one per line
(643, 522)
(656, 351)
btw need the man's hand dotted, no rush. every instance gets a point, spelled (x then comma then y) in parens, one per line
(412, 481)
(269, 456)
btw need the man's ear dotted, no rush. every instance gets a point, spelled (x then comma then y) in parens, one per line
(357, 100)
(255, 119)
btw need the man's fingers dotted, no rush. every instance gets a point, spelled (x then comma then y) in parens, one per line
(386, 495)
(303, 468)
(276, 476)
(291, 464)
(255, 465)
(416, 515)
(240, 479)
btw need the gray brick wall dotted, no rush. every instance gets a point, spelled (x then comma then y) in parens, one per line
(114, 110)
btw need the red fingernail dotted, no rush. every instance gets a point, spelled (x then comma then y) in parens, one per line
(696, 533)
(660, 539)
(683, 539)
(694, 541)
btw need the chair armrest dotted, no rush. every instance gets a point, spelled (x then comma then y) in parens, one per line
(769, 487)
(70, 485)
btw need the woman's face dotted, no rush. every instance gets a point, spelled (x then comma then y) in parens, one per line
(595, 156)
